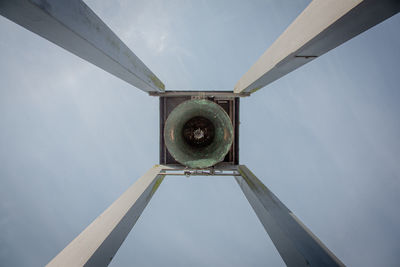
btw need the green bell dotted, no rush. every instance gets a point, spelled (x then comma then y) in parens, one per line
(198, 133)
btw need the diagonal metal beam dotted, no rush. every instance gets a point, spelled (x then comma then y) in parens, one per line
(72, 25)
(98, 243)
(296, 244)
(322, 26)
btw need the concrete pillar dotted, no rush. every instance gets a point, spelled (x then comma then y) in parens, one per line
(296, 244)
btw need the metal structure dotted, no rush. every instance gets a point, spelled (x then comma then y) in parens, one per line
(322, 26)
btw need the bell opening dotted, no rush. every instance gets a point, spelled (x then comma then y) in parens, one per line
(198, 132)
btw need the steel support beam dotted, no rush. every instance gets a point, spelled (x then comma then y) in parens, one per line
(322, 26)
(203, 94)
(72, 25)
(296, 244)
(98, 243)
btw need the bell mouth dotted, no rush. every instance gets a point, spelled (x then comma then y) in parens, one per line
(198, 133)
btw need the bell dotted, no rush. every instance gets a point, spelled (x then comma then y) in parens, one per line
(198, 133)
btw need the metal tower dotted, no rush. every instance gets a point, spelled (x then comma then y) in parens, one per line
(199, 130)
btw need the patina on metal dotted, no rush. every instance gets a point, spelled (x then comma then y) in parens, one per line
(228, 103)
(198, 133)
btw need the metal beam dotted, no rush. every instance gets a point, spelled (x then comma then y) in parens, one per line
(72, 25)
(217, 94)
(98, 243)
(322, 26)
(296, 244)
(179, 171)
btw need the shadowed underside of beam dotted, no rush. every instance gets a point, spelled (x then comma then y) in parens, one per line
(296, 244)
(98, 243)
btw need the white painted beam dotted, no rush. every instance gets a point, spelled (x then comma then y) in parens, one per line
(72, 25)
(296, 244)
(98, 243)
(322, 26)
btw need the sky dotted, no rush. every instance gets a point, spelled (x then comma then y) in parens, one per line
(324, 138)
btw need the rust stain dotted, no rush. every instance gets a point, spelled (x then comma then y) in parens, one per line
(226, 134)
(156, 185)
(255, 89)
(157, 82)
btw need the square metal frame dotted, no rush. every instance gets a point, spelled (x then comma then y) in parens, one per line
(227, 100)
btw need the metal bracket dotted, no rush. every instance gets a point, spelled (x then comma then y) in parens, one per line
(199, 172)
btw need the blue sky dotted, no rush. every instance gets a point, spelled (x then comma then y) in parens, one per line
(324, 139)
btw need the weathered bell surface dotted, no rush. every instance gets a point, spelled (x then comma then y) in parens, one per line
(198, 133)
